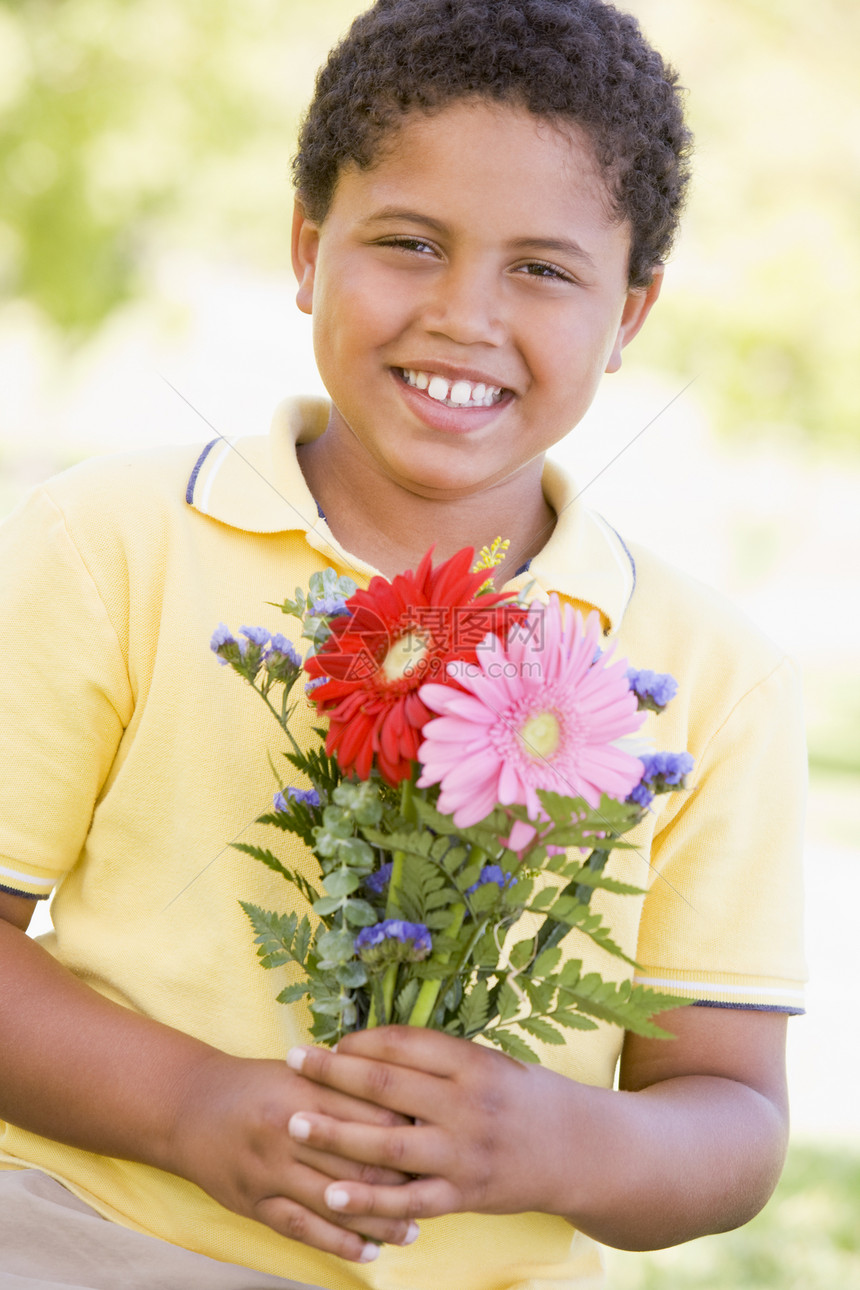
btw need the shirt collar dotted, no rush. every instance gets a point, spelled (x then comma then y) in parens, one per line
(255, 484)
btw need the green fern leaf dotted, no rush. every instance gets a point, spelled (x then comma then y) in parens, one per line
(271, 861)
(542, 1029)
(474, 1010)
(293, 993)
(512, 1044)
(573, 1020)
(405, 1001)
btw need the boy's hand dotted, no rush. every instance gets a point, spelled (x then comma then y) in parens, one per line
(231, 1139)
(483, 1123)
(83, 1070)
(692, 1144)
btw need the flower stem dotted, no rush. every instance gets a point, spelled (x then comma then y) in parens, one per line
(422, 1009)
(372, 1014)
(551, 932)
(282, 718)
(407, 803)
(392, 909)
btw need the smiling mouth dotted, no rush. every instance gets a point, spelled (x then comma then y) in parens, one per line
(453, 394)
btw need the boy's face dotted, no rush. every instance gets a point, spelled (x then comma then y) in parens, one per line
(468, 292)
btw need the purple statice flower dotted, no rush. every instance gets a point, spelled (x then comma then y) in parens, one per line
(641, 795)
(663, 772)
(492, 873)
(304, 797)
(256, 635)
(377, 882)
(279, 645)
(393, 941)
(246, 655)
(329, 607)
(223, 642)
(653, 689)
(282, 660)
(315, 684)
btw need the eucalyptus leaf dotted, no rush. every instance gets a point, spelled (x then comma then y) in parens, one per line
(327, 905)
(335, 946)
(341, 882)
(359, 913)
(337, 820)
(333, 1007)
(356, 852)
(351, 975)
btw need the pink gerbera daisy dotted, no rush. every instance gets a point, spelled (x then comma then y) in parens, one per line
(544, 711)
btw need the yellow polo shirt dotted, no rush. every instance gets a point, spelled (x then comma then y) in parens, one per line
(131, 761)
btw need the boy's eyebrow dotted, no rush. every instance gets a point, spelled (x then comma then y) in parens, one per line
(544, 245)
(554, 245)
(391, 214)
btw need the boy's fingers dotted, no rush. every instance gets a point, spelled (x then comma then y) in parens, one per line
(348, 1107)
(416, 1150)
(306, 1216)
(338, 1166)
(423, 1198)
(412, 1046)
(293, 1220)
(407, 1046)
(397, 1087)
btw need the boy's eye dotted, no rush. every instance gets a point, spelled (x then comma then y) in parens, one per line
(417, 245)
(541, 269)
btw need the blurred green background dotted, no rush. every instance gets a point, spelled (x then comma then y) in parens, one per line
(144, 271)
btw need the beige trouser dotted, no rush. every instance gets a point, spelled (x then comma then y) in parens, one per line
(50, 1240)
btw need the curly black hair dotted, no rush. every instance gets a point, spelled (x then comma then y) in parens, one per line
(581, 61)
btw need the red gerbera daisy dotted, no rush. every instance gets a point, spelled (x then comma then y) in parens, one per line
(397, 636)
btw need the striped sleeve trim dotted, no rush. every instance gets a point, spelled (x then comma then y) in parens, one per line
(751, 1007)
(25, 895)
(24, 884)
(729, 993)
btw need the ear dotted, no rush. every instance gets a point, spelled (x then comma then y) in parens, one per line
(637, 307)
(305, 245)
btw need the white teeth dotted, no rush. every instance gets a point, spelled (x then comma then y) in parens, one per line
(458, 394)
(461, 392)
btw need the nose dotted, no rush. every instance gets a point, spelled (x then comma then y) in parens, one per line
(466, 305)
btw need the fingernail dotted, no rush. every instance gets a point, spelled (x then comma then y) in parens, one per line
(299, 1127)
(296, 1058)
(336, 1198)
(412, 1234)
(369, 1253)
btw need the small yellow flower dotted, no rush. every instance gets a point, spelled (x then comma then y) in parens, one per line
(490, 557)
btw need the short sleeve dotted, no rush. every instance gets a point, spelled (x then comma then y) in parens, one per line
(722, 921)
(64, 694)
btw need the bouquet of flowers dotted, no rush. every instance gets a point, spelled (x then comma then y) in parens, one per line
(476, 767)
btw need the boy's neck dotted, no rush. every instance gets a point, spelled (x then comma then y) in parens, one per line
(390, 528)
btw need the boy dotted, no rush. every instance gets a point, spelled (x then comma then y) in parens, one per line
(486, 192)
